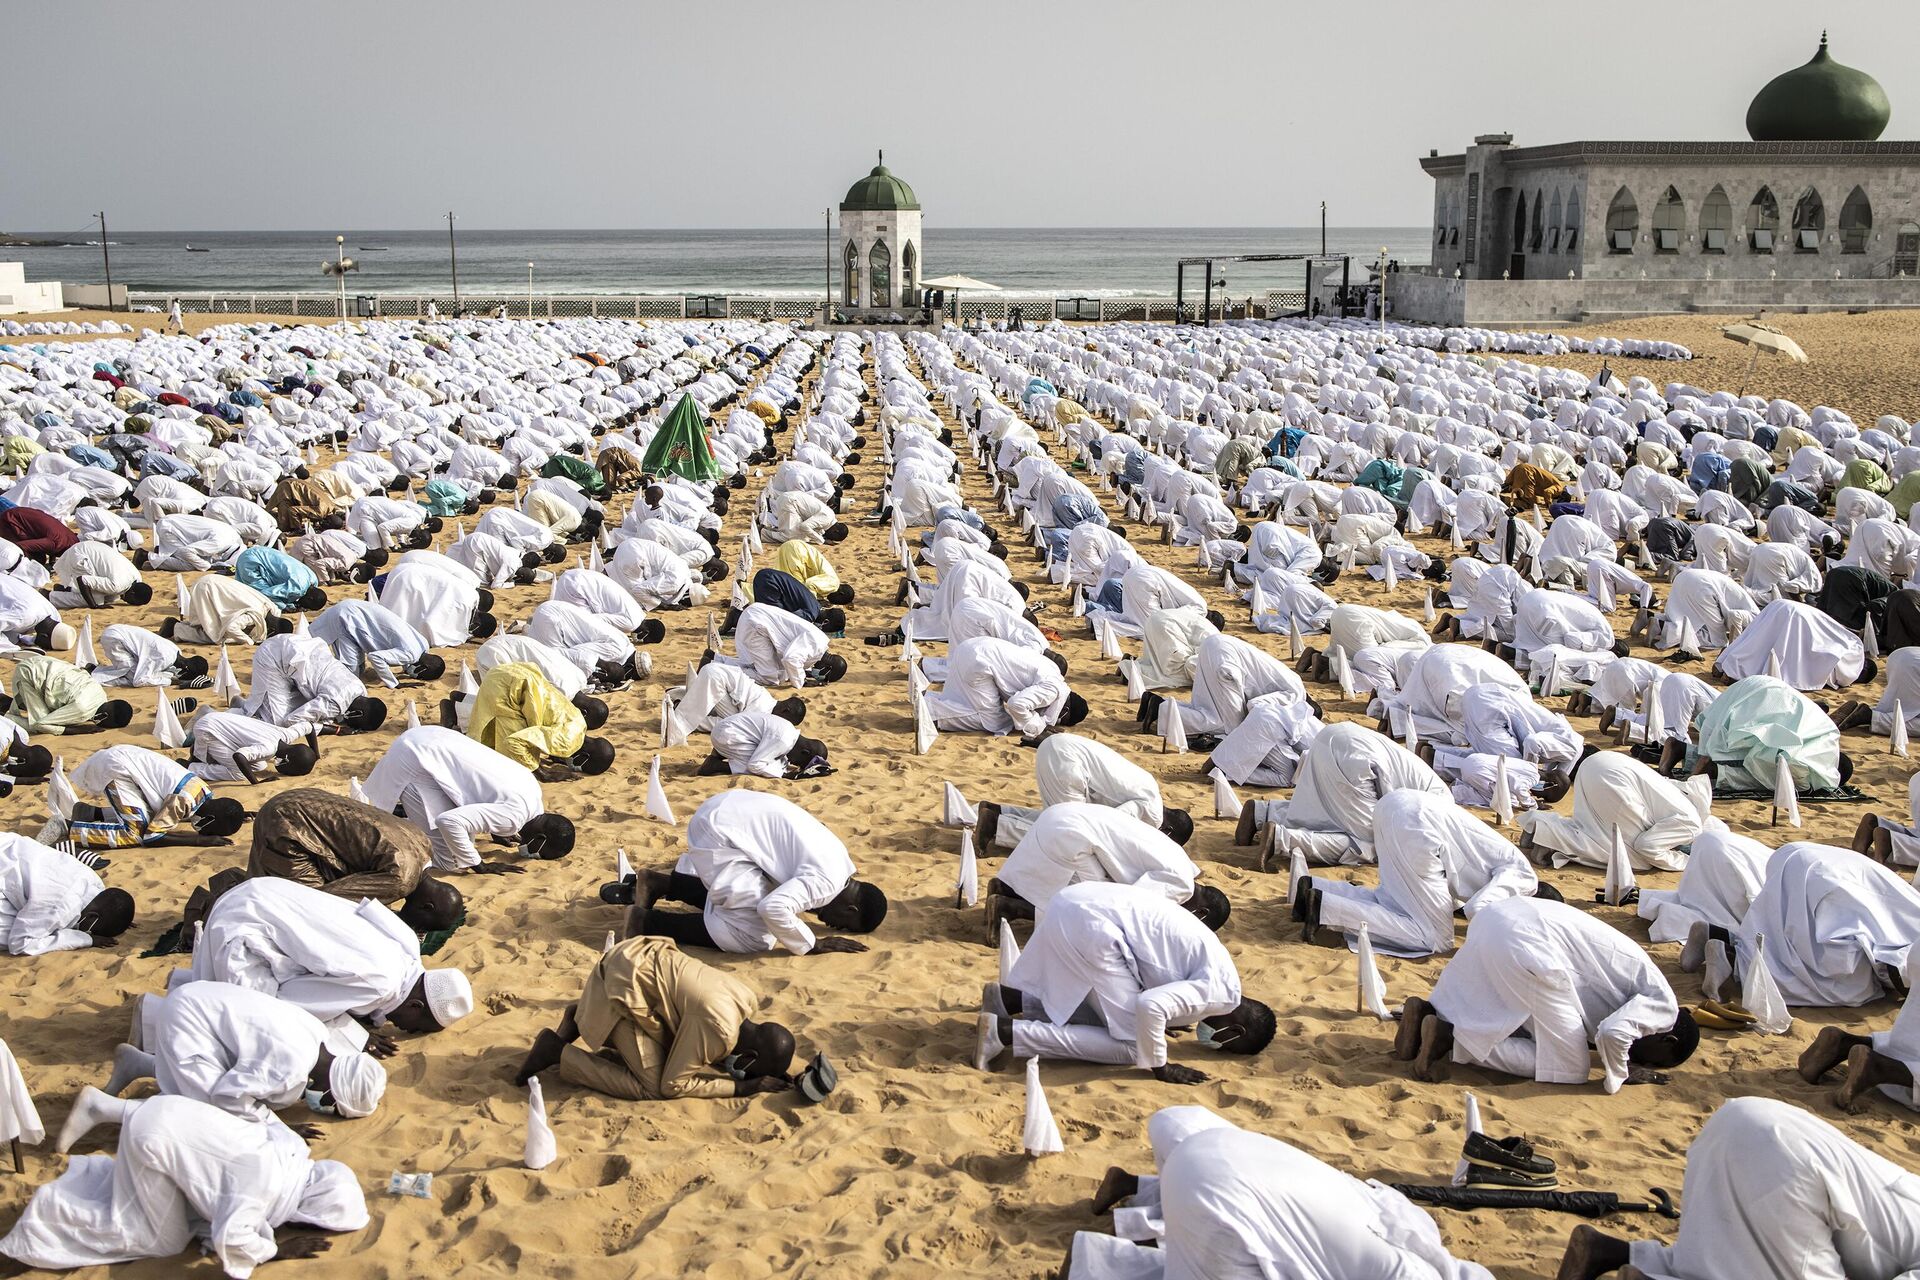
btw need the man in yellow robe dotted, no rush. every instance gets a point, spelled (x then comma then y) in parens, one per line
(519, 713)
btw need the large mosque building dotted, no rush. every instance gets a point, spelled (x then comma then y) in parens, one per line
(1812, 213)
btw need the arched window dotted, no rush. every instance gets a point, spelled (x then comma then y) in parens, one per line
(909, 270)
(879, 275)
(1623, 222)
(1519, 240)
(1669, 222)
(1571, 244)
(1537, 233)
(1856, 222)
(1809, 220)
(1553, 225)
(1716, 222)
(850, 276)
(1763, 221)
(1906, 249)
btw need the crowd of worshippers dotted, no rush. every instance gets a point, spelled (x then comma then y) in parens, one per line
(1283, 455)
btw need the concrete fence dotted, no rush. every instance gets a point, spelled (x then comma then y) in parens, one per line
(1434, 299)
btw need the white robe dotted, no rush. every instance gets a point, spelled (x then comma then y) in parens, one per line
(777, 647)
(996, 687)
(42, 894)
(1170, 643)
(1723, 874)
(1264, 749)
(1612, 791)
(438, 604)
(1815, 651)
(1075, 842)
(764, 861)
(755, 742)
(1830, 919)
(1566, 978)
(1343, 775)
(1228, 673)
(135, 657)
(456, 790)
(719, 690)
(245, 1052)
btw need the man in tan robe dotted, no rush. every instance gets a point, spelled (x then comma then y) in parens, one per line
(656, 1024)
(299, 501)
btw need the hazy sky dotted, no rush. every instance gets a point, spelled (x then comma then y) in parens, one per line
(215, 114)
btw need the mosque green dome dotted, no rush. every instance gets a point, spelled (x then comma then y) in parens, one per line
(879, 190)
(1822, 101)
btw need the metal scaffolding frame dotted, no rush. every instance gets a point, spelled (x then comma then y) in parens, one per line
(1206, 306)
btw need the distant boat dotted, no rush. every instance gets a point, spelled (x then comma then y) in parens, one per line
(371, 249)
(191, 249)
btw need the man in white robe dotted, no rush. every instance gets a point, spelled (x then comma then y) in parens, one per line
(1109, 970)
(134, 657)
(1772, 1193)
(1228, 673)
(445, 606)
(1814, 650)
(1071, 768)
(231, 747)
(1265, 748)
(1329, 819)
(50, 902)
(457, 790)
(1718, 608)
(781, 648)
(1613, 792)
(1434, 856)
(755, 864)
(997, 688)
(191, 543)
(93, 575)
(601, 651)
(1169, 645)
(298, 684)
(1533, 987)
(349, 965)
(185, 1170)
(1724, 872)
(1076, 842)
(718, 690)
(763, 744)
(248, 1053)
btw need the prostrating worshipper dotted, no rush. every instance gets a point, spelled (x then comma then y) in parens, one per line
(351, 965)
(520, 714)
(280, 578)
(1542, 617)
(447, 607)
(137, 658)
(967, 580)
(755, 863)
(227, 746)
(1814, 651)
(51, 696)
(93, 575)
(809, 564)
(1329, 818)
(1228, 673)
(1755, 723)
(185, 1171)
(1839, 928)
(147, 799)
(1501, 721)
(50, 902)
(457, 790)
(191, 544)
(1724, 872)
(603, 597)
(1169, 644)
(299, 501)
(220, 610)
(656, 578)
(1265, 749)
(1534, 985)
(765, 744)
(1075, 842)
(784, 591)
(1352, 630)
(1771, 1193)
(1718, 608)
(656, 1024)
(1227, 1202)
(352, 850)
(1068, 767)
(600, 650)
(781, 648)
(1435, 857)
(38, 534)
(248, 1053)
(1110, 969)
(297, 683)
(28, 620)
(996, 687)
(1136, 596)
(370, 637)
(336, 556)
(720, 689)
(494, 562)
(1614, 793)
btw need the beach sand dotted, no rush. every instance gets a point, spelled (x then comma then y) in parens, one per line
(913, 1167)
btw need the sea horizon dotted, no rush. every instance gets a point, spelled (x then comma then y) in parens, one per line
(1095, 262)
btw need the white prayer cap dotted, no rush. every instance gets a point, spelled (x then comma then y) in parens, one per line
(449, 995)
(62, 637)
(357, 1082)
(1168, 1127)
(332, 1199)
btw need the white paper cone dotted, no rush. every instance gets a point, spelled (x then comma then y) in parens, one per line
(1689, 638)
(1344, 670)
(925, 731)
(621, 867)
(83, 645)
(657, 806)
(1226, 576)
(1539, 518)
(1620, 880)
(713, 633)
(373, 594)
(917, 682)
(612, 941)
(1427, 613)
(1550, 682)
(1411, 734)
(1296, 874)
(1897, 735)
(1373, 987)
(300, 626)
(1653, 715)
(60, 793)
(1646, 556)
(1173, 731)
(1461, 1169)
(1785, 797)
(225, 684)
(1109, 640)
(1205, 558)
(594, 563)
(356, 792)
(1391, 574)
(413, 714)
(166, 723)
(1870, 640)
(1136, 683)
(1761, 995)
(1296, 643)
(1349, 559)
(1009, 950)
(468, 685)
(1225, 803)
(541, 1149)
(967, 886)
(1502, 794)
(955, 811)
(1040, 1136)
(1454, 540)
(1079, 602)
(180, 594)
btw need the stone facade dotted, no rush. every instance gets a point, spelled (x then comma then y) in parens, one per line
(1677, 211)
(880, 266)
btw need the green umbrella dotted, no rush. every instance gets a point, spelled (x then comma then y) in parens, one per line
(680, 447)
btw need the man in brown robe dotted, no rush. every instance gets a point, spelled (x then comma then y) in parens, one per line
(656, 1024)
(298, 501)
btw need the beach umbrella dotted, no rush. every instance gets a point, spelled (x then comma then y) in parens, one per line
(955, 283)
(1762, 337)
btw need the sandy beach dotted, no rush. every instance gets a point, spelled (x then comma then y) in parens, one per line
(913, 1167)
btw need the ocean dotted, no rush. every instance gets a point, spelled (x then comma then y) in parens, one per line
(1085, 261)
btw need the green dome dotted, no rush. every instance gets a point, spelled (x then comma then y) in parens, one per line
(1820, 102)
(878, 190)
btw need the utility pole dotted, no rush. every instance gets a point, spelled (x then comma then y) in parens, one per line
(1323, 228)
(453, 257)
(826, 312)
(106, 257)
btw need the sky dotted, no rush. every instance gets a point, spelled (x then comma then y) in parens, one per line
(223, 115)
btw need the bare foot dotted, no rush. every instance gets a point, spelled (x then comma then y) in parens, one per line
(1866, 1072)
(1436, 1042)
(1591, 1253)
(1248, 826)
(1828, 1050)
(1115, 1187)
(546, 1051)
(1406, 1040)
(1864, 833)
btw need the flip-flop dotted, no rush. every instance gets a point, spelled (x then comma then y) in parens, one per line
(1717, 1022)
(1729, 1010)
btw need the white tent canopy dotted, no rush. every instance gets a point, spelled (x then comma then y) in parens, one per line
(959, 282)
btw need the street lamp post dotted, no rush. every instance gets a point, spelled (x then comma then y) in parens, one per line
(340, 249)
(529, 291)
(1383, 292)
